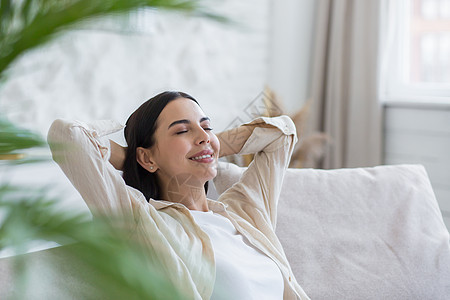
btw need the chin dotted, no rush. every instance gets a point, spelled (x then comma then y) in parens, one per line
(209, 173)
(213, 175)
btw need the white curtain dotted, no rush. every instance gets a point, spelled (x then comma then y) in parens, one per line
(345, 82)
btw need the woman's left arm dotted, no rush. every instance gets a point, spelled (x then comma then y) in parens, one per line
(232, 140)
(272, 140)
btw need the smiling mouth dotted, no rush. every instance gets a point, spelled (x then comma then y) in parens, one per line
(203, 158)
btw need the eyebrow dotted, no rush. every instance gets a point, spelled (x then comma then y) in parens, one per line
(185, 121)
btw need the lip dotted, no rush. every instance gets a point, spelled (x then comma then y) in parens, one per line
(206, 160)
(203, 152)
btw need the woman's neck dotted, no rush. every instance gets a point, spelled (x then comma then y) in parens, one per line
(184, 190)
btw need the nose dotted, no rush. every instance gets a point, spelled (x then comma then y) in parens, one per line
(202, 137)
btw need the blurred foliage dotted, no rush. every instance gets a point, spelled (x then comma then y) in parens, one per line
(122, 268)
(13, 138)
(116, 264)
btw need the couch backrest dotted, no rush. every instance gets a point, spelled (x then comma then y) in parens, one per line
(364, 233)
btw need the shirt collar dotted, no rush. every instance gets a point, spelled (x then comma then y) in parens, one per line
(216, 206)
(160, 204)
(213, 205)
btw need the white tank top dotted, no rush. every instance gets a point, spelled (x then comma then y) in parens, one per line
(242, 271)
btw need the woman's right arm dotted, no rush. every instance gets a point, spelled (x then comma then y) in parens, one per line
(77, 149)
(118, 153)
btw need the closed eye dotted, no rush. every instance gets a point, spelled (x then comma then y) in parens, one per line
(184, 131)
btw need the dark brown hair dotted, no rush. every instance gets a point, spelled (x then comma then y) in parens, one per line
(139, 132)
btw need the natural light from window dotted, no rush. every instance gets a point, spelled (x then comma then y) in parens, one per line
(416, 51)
(430, 41)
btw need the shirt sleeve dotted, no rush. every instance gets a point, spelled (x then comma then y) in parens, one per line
(256, 194)
(83, 155)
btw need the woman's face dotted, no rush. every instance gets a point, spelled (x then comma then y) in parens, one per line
(184, 143)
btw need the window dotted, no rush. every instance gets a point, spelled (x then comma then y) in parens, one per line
(430, 41)
(416, 50)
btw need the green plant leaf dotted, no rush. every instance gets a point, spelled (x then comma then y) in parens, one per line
(120, 267)
(13, 138)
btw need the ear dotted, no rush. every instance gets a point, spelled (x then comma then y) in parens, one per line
(144, 158)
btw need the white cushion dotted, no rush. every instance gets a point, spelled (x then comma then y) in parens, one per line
(364, 233)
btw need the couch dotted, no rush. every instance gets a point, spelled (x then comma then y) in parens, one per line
(362, 233)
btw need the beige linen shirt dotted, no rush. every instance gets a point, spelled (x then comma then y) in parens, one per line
(168, 229)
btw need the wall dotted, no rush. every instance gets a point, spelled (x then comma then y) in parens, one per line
(106, 71)
(420, 133)
(290, 50)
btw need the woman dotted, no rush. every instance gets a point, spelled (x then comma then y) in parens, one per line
(225, 249)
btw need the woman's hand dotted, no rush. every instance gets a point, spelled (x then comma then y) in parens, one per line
(117, 155)
(232, 141)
